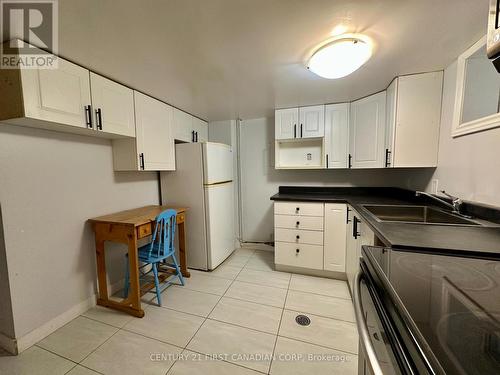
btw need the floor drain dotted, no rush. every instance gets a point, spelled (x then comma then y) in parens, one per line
(302, 320)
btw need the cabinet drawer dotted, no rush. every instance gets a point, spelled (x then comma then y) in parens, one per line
(310, 237)
(298, 222)
(298, 208)
(299, 255)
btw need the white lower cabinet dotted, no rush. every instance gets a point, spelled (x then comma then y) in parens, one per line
(335, 237)
(299, 255)
(358, 234)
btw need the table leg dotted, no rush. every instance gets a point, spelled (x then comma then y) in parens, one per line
(134, 290)
(182, 249)
(101, 271)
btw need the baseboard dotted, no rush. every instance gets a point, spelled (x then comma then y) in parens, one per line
(257, 246)
(8, 343)
(310, 272)
(46, 329)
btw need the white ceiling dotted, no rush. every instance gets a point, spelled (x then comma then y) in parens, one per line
(222, 59)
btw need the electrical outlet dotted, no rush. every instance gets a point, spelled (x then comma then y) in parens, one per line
(434, 186)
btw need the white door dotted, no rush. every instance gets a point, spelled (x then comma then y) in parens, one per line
(154, 129)
(219, 218)
(201, 130)
(113, 106)
(336, 135)
(285, 123)
(367, 131)
(183, 126)
(335, 237)
(218, 163)
(59, 95)
(312, 122)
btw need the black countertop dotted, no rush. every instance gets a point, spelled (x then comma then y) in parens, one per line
(468, 240)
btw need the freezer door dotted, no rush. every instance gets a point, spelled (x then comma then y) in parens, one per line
(220, 222)
(218, 163)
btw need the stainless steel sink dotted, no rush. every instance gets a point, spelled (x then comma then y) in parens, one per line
(415, 214)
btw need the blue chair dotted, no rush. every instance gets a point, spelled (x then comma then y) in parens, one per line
(156, 252)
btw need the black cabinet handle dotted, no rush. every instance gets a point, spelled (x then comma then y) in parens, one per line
(387, 156)
(88, 116)
(298, 223)
(348, 220)
(327, 161)
(350, 161)
(98, 113)
(297, 237)
(295, 131)
(192, 135)
(355, 232)
(196, 134)
(141, 158)
(297, 251)
(301, 133)
(297, 209)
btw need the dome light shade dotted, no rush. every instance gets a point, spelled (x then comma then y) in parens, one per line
(340, 58)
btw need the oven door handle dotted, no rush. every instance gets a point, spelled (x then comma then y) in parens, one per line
(364, 335)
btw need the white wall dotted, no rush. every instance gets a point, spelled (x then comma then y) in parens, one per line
(51, 183)
(259, 179)
(468, 166)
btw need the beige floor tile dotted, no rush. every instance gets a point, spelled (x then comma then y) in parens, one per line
(267, 278)
(323, 361)
(260, 263)
(78, 338)
(248, 314)
(335, 334)
(225, 271)
(244, 251)
(79, 370)
(236, 344)
(198, 364)
(108, 316)
(34, 360)
(189, 301)
(265, 295)
(236, 260)
(320, 285)
(330, 307)
(207, 284)
(129, 354)
(166, 325)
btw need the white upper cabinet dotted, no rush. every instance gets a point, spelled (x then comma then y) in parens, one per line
(200, 128)
(367, 132)
(413, 120)
(155, 133)
(113, 106)
(286, 121)
(153, 149)
(336, 135)
(312, 122)
(335, 227)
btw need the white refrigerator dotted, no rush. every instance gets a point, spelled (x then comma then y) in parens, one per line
(203, 182)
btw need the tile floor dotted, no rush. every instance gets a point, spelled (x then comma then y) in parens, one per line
(238, 319)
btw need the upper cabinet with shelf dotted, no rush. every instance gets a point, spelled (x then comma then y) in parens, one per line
(398, 128)
(413, 119)
(188, 128)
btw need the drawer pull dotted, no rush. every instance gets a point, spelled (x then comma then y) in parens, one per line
(297, 209)
(298, 223)
(297, 237)
(297, 251)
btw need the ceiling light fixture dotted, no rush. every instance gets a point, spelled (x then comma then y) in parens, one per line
(340, 57)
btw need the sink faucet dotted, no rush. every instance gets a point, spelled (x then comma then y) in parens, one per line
(456, 203)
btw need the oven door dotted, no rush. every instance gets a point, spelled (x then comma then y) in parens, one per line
(380, 350)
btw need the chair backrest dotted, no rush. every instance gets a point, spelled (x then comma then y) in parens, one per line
(162, 243)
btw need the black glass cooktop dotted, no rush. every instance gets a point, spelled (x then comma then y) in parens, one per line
(451, 304)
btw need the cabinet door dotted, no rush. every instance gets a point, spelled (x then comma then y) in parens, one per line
(335, 237)
(57, 95)
(312, 122)
(116, 105)
(367, 131)
(285, 123)
(183, 126)
(201, 129)
(391, 107)
(154, 128)
(336, 135)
